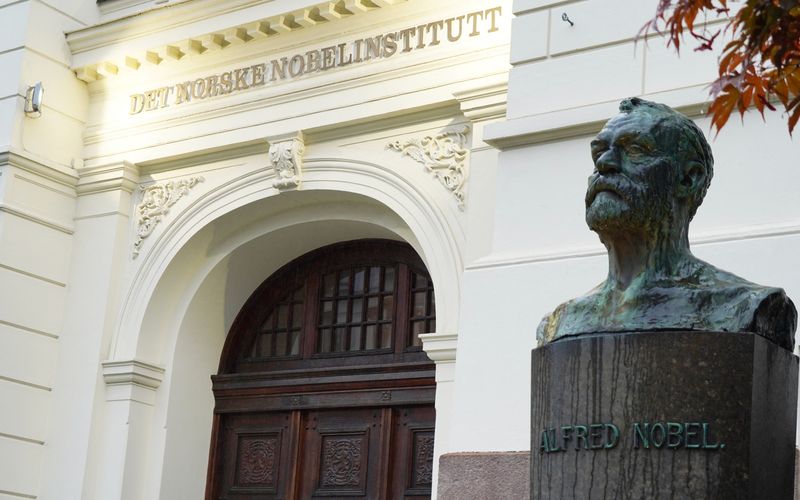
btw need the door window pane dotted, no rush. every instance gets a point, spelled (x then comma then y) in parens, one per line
(371, 341)
(387, 311)
(386, 335)
(357, 310)
(326, 316)
(344, 283)
(339, 339)
(372, 309)
(374, 279)
(341, 311)
(358, 281)
(388, 279)
(329, 285)
(355, 338)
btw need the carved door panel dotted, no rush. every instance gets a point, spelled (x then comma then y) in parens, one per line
(344, 454)
(365, 453)
(412, 453)
(258, 453)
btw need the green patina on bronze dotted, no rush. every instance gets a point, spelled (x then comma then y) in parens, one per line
(652, 169)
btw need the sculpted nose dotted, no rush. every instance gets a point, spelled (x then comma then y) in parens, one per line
(607, 163)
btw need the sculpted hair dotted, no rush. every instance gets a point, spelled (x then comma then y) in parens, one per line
(689, 140)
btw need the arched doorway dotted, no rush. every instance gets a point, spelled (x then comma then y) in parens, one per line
(323, 389)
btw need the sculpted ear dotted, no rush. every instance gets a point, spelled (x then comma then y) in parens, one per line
(692, 179)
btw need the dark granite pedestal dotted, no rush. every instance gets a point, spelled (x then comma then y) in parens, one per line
(655, 415)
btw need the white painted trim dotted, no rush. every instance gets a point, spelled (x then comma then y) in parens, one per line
(151, 31)
(38, 219)
(290, 93)
(110, 177)
(32, 385)
(484, 103)
(16, 493)
(42, 167)
(110, 6)
(710, 237)
(71, 194)
(132, 372)
(32, 275)
(440, 347)
(29, 329)
(437, 227)
(583, 120)
(24, 439)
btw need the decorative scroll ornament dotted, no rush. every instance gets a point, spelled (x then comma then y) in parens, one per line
(443, 155)
(156, 202)
(286, 157)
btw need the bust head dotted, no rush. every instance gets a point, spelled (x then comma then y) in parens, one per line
(652, 169)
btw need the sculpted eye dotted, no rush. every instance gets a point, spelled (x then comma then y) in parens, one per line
(635, 150)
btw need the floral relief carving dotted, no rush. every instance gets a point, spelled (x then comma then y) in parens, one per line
(341, 462)
(444, 155)
(157, 199)
(286, 157)
(257, 462)
(423, 470)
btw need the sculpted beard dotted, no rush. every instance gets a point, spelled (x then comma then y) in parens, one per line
(618, 204)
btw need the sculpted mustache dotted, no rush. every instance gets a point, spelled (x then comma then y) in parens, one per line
(604, 184)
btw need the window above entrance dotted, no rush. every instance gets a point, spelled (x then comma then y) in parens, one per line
(367, 300)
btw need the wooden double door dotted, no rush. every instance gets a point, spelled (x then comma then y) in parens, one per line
(323, 389)
(358, 453)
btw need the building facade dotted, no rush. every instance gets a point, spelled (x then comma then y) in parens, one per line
(191, 158)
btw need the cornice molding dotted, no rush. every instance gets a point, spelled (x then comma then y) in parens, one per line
(132, 372)
(104, 132)
(38, 219)
(484, 103)
(440, 347)
(152, 22)
(583, 120)
(123, 176)
(60, 174)
(109, 7)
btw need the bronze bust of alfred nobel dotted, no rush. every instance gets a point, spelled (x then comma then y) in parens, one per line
(652, 169)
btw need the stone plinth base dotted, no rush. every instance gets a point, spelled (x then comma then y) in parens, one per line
(663, 415)
(483, 476)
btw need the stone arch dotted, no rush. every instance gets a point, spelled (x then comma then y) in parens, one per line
(205, 264)
(433, 226)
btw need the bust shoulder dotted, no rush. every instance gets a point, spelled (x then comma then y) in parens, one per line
(707, 299)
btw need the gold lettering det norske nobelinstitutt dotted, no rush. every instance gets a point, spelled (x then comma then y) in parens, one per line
(343, 54)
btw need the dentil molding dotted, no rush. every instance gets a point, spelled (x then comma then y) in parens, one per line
(444, 155)
(286, 158)
(92, 58)
(157, 199)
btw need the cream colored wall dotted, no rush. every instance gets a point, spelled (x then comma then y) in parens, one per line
(111, 383)
(150, 327)
(37, 230)
(564, 83)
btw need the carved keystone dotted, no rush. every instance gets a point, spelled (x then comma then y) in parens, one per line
(286, 157)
